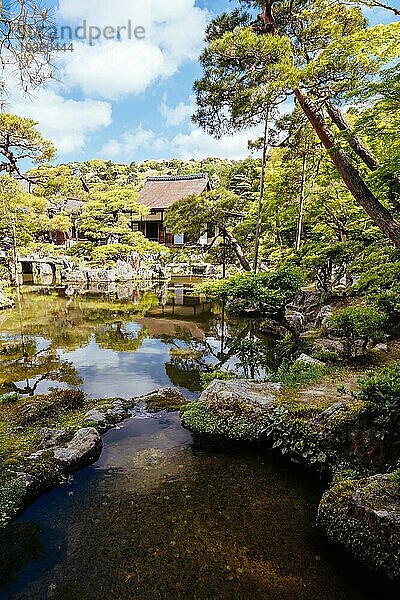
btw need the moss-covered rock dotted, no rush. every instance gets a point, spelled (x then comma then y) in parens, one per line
(169, 399)
(364, 516)
(235, 410)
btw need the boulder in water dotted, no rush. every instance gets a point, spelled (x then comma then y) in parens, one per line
(83, 449)
(364, 516)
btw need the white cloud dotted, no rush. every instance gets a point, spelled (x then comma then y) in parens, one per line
(67, 123)
(178, 114)
(112, 69)
(133, 141)
(196, 144)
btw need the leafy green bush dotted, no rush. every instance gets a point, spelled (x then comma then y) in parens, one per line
(298, 374)
(12, 495)
(252, 356)
(209, 376)
(111, 253)
(359, 322)
(9, 398)
(272, 289)
(295, 437)
(42, 249)
(51, 404)
(381, 390)
(81, 250)
(395, 476)
(383, 276)
(137, 244)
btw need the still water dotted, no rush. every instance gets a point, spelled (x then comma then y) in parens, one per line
(158, 517)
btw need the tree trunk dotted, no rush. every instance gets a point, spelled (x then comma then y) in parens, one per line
(302, 200)
(363, 151)
(355, 142)
(379, 214)
(238, 250)
(262, 189)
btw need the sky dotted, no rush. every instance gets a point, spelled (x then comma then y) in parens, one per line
(127, 97)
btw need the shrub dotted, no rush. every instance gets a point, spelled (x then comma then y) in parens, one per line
(51, 404)
(9, 398)
(12, 495)
(298, 374)
(210, 376)
(381, 390)
(111, 253)
(252, 356)
(359, 322)
(271, 289)
(383, 276)
(395, 476)
(81, 250)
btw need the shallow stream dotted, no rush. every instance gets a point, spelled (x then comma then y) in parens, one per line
(157, 517)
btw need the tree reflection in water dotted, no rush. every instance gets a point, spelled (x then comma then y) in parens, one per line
(54, 322)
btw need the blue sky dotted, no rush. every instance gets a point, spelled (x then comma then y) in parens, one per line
(131, 100)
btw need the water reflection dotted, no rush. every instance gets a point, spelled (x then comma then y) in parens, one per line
(115, 340)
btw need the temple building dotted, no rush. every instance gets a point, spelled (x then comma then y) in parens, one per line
(159, 194)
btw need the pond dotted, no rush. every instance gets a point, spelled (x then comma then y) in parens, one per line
(122, 342)
(157, 516)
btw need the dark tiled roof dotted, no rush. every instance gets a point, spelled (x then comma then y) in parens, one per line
(71, 205)
(163, 192)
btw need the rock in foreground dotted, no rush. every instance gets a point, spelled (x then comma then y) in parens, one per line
(235, 410)
(84, 448)
(364, 516)
(169, 399)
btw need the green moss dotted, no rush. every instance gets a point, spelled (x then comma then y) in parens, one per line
(374, 544)
(45, 469)
(305, 409)
(296, 375)
(235, 420)
(12, 495)
(210, 376)
(344, 419)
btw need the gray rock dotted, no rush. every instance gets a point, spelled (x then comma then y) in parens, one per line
(364, 516)
(49, 438)
(304, 359)
(84, 448)
(239, 410)
(162, 399)
(116, 415)
(295, 319)
(37, 455)
(381, 348)
(327, 346)
(324, 314)
(75, 276)
(309, 301)
(96, 417)
(101, 275)
(258, 394)
(324, 417)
